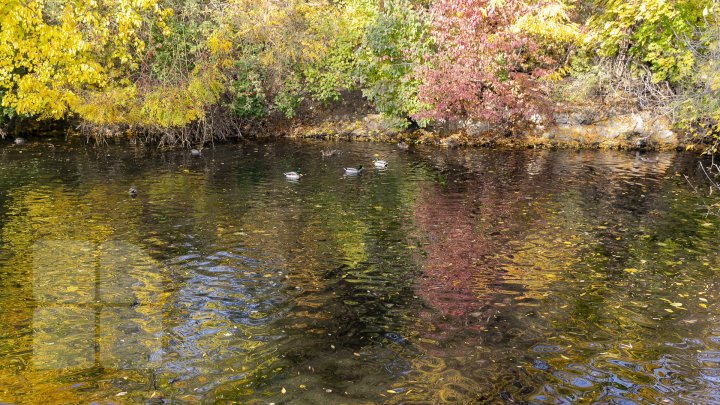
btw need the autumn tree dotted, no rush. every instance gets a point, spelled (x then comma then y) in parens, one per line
(52, 52)
(484, 67)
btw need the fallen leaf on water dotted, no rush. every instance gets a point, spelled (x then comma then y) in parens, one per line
(702, 305)
(631, 270)
(119, 394)
(283, 390)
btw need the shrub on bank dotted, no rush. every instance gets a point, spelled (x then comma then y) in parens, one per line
(204, 69)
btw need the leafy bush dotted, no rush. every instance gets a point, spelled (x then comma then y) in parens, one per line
(648, 33)
(483, 68)
(249, 100)
(394, 47)
(697, 105)
(169, 64)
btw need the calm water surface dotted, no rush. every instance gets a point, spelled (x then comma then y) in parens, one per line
(464, 276)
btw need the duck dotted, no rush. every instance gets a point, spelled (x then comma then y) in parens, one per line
(353, 171)
(403, 146)
(195, 152)
(293, 175)
(649, 160)
(132, 192)
(381, 164)
(646, 159)
(329, 152)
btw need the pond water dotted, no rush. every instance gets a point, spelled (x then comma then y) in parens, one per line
(451, 276)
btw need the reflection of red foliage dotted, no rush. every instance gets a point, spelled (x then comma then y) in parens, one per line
(468, 236)
(458, 265)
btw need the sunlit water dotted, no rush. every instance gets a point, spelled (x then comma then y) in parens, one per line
(452, 276)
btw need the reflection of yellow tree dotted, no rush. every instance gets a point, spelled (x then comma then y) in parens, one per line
(611, 270)
(41, 213)
(62, 259)
(323, 244)
(542, 256)
(483, 237)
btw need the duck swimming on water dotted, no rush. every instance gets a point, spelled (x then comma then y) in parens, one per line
(329, 152)
(132, 192)
(353, 171)
(293, 175)
(646, 159)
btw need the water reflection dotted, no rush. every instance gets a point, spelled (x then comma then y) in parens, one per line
(449, 276)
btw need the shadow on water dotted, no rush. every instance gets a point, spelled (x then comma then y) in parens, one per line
(449, 276)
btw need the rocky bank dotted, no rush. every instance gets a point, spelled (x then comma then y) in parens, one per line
(578, 127)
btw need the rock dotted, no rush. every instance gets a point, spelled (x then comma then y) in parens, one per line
(585, 117)
(373, 122)
(19, 141)
(476, 128)
(453, 125)
(359, 133)
(581, 117)
(450, 142)
(662, 131)
(561, 119)
(666, 136)
(381, 125)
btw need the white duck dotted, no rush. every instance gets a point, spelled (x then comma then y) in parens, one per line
(293, 175)
(353, 171)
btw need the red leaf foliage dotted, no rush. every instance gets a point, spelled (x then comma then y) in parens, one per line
(482, 69)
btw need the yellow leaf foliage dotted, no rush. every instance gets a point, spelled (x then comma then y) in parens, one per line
(51, 53)
(551, 23)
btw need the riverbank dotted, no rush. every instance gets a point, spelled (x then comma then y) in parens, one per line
(353, 119)
(571, 128)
